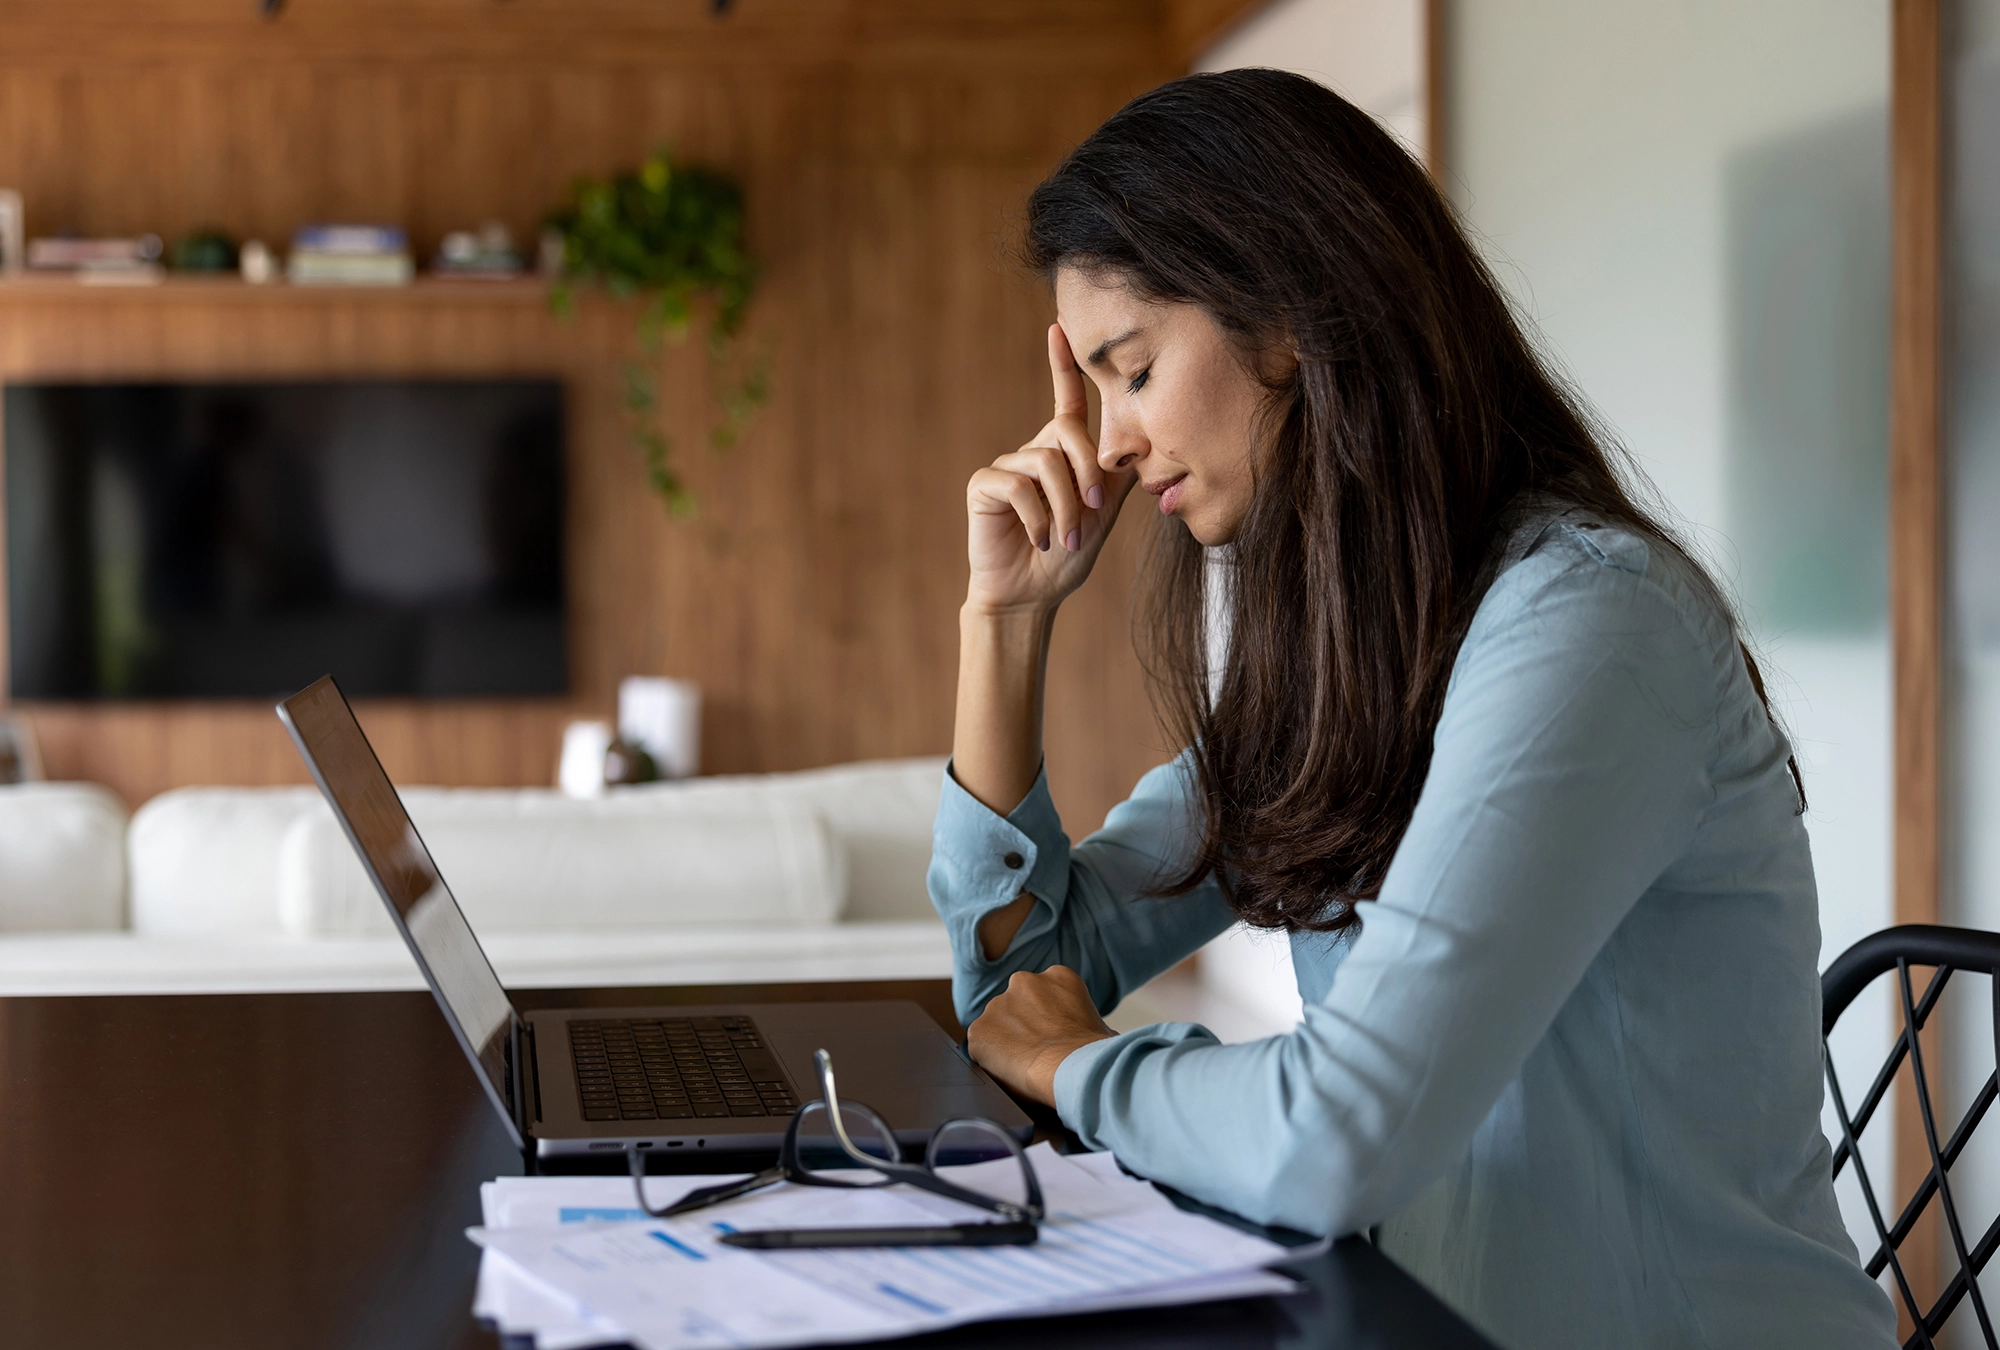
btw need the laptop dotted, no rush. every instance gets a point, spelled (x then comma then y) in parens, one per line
(715, 1078)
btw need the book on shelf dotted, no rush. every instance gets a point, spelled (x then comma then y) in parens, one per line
(355, 239)
(350, 255)
(309, 267)
(121, 274)
(63, 253)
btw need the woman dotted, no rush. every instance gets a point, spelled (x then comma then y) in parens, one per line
(1484, 743)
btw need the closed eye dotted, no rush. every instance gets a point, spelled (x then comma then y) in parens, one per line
(1138, 382)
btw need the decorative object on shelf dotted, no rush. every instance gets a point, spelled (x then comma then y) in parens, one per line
(20, 757)
(580, 773)
(13, 232)
(255, 263)
(594, 759)
(483, 255)
(350, 255)
(663, 718)
(669, 236)
(102, 262)
(204, 250)
(626, 764)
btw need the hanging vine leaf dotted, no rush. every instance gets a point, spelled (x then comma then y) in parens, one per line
(670, 238)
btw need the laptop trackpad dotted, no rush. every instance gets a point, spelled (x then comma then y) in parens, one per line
(890, 1056)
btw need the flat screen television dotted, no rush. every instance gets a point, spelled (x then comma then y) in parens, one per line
(208, 541)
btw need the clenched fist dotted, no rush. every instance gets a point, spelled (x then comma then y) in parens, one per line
(1026, 1033)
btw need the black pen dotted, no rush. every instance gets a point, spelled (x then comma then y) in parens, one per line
(930, 1235)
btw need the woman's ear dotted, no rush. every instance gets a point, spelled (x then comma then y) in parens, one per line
(1278, 372)
(1278, 364)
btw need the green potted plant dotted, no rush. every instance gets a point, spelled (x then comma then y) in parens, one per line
(669, 238)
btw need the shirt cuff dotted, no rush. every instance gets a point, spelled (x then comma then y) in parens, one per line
(981, 860)
(1093, 1085)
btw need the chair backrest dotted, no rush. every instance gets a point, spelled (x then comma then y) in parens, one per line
(1898, 949)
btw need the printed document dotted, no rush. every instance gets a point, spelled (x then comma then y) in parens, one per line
(570, 1261)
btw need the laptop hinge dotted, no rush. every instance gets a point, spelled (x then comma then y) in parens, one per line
(520, 1055)
(511, 1086)
(531, 1078)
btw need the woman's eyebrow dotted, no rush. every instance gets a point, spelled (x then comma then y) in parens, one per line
(1096, 358)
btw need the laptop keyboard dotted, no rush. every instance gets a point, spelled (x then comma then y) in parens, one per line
(676, 1068)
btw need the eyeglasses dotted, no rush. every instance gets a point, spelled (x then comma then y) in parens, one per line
(800, 1161)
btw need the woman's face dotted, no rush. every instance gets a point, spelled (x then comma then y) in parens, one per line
(1180, 409)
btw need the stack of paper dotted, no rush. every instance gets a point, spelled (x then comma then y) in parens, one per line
(568, 1260)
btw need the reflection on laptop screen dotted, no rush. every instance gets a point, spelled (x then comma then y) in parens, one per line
(368, 808)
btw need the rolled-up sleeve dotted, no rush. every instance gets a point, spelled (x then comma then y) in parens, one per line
(1093, 910)
(1569, 770)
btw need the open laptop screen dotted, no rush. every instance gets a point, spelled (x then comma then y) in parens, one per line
(363, 799)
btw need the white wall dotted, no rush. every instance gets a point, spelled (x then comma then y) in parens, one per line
(1371, 51)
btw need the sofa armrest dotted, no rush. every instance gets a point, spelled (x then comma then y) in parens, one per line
(62, 858)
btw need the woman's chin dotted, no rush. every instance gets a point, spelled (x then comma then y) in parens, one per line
(1210, 529)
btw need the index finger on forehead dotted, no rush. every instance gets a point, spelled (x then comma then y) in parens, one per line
(1068, 378)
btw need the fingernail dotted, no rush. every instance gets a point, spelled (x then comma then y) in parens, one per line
(1073, 540)
(1043, 545)
(1094, 498)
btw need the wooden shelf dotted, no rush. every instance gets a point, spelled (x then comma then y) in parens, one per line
(424, 289)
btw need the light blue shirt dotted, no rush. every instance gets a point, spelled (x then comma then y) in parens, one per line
(1569, 1069)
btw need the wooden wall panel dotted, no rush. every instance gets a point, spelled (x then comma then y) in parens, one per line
(1916, 549)
(886, 149)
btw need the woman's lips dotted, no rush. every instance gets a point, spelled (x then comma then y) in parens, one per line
(1170, 494)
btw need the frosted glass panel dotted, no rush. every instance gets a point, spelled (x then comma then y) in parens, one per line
(1972, 497)
(1690, 201)
(1972, 420)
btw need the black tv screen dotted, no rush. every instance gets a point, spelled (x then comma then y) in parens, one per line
(241, 540)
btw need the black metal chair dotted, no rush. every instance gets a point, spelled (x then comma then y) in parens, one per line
(1898, 949)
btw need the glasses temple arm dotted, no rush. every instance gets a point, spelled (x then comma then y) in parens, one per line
(922, 1177)
(823, 1063)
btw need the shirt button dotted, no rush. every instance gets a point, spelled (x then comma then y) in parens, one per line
(1014, 861)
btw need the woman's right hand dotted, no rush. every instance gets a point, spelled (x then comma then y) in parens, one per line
(1037, 517)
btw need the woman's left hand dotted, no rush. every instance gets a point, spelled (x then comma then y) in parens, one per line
(1026, 1033)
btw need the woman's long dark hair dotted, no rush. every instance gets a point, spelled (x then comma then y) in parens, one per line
(1416, 414)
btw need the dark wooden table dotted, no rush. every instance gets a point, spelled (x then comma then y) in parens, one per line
(278, 1170)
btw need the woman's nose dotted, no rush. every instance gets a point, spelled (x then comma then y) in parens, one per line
(1119, 445)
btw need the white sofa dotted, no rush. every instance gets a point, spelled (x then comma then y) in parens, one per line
(760, 878)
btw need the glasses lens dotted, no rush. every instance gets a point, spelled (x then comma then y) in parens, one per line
(820, 1152)
(974, 1154)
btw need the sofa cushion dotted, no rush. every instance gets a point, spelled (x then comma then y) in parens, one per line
(205, 860)
(534, 861)
(62, 857)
